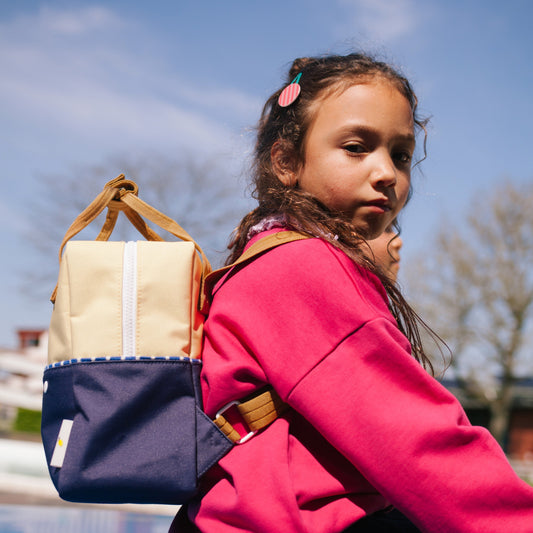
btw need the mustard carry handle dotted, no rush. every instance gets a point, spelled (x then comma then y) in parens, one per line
(120, 194)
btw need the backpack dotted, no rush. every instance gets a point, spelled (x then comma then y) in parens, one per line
(122, 417)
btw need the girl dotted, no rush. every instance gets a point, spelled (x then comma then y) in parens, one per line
(385, 251)
(370, 441)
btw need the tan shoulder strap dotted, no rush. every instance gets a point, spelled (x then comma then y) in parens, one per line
(262, 245)
(267, 243)
(262, 408)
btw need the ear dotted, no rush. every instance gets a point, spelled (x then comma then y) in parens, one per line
(284, 164)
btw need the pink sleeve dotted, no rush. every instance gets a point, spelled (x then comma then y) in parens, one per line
(410, 438)
(305, 319)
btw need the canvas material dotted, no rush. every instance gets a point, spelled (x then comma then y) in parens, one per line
(138, 434)
(87, 318)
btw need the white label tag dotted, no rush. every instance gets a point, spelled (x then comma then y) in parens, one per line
(61, 445)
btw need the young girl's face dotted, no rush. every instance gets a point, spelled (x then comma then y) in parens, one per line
(358, 154)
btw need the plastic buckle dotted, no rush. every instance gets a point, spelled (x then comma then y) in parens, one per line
(222, 410)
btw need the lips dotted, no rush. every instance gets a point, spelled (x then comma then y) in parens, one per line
(380, 204)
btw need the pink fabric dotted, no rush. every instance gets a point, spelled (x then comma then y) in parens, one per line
(369, 427)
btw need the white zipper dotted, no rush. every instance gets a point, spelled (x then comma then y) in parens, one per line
(129, 299)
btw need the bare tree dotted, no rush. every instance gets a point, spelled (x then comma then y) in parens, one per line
(474, 285)
(204, 195)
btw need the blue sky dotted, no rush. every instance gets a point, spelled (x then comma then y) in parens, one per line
(81, 81)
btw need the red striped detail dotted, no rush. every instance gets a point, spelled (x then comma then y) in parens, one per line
(289, 94)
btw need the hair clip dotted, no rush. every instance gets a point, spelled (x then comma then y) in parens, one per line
(290, 93)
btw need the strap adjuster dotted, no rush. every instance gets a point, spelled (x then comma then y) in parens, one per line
(256, 412)
(224, 425)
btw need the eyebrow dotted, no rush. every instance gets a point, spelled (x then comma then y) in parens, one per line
(369, 130)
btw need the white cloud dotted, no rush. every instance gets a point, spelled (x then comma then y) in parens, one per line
(77, 22)
(48, 22)
(64, 76)
(384, 20)
(12, 219)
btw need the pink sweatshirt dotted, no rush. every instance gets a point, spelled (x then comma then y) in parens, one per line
(368, 426)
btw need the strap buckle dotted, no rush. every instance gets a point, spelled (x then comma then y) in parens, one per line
(220, 421)
(256, 412)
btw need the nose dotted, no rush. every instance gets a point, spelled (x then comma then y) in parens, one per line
(384, 171)
(396, 243)
(394, 246)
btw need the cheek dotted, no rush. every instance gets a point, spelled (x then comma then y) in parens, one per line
(337, 196)
(403, 191)
(317, 180)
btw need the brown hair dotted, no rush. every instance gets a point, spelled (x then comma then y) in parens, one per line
(288, 127)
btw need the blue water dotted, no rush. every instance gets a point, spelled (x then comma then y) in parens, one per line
(37, 519)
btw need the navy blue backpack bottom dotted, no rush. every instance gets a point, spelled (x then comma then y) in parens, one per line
(127, 431)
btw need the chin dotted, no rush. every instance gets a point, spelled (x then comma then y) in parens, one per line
(370, 233)
(371, 228)
(393, 272)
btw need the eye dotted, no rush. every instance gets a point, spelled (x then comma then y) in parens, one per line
(403, 157)
(355, 148)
